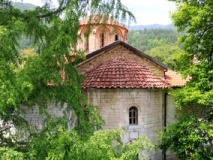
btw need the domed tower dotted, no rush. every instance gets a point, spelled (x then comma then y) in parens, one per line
(98, 31)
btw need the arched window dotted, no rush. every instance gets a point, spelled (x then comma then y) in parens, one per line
(86, 43)
(102, 37)
(133, 115)
(116, 37)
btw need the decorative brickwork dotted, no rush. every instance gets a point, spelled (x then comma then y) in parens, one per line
(120, 51)
(101, 31)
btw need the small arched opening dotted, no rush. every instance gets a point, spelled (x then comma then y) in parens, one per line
(133, 115)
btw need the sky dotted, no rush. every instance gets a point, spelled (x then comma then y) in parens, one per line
(146, 11)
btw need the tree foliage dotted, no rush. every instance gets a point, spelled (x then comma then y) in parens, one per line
(48, 75)
(168, 54)
(64, 144)
(189, 138)
(160, 44)
(194, 134)
(101, 145)
(147, 39)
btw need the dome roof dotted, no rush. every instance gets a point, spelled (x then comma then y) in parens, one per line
(100, 19)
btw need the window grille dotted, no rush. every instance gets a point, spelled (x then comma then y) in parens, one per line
(133, 115)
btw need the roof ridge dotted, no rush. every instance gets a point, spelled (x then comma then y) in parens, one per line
(90, 55)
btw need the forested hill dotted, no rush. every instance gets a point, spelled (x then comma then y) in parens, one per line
(147, 39)
(152, 26)
(25, 43)
(158, 43)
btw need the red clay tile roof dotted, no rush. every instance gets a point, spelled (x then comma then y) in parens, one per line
(122, 73)
(175, 79)
(100, 19)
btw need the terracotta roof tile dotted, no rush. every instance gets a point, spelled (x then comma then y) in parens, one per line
(175, 79)
(122, 73)
(100, 19)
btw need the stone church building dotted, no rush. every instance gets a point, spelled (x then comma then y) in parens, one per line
(129, 87)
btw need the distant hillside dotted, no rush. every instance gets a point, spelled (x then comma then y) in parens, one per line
(25, 42)
(152, 26)
(23, 6)
(147, 39)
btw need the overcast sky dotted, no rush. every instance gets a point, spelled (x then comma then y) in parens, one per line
(145, 11)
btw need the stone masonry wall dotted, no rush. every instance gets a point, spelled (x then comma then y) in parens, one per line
(33, 116)
(114, 107)
(170, 110)
(119, 52)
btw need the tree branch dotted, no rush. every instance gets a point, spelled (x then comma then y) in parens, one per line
(1, 131)
(51, 13)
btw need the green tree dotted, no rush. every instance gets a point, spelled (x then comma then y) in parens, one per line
(105, 144)
(147, 39)
(191, 137)
(64, 144)
(54, 32)
(168, 54)
(160, 44)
